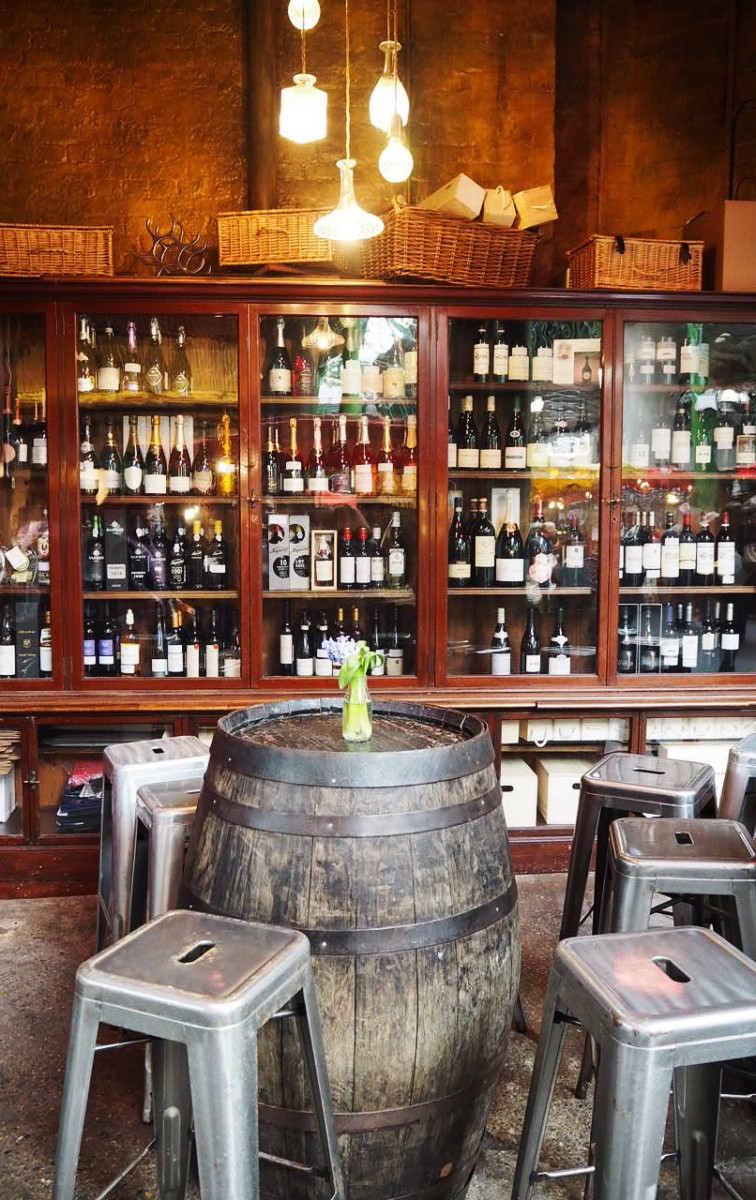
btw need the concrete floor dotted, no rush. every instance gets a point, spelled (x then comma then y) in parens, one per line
(41, 943)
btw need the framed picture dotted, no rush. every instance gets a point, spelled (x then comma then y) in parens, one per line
(323, 560)
(577, 360)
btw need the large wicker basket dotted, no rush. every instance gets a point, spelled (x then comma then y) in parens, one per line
(420, 244)
(277, 235)
(55, 250)
(639, 264)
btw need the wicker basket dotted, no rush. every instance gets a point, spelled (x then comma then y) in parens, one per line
(640, 264)
(420, 244)
(277, 235)
(55, 250)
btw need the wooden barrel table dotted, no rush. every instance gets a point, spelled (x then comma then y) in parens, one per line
(392, 856)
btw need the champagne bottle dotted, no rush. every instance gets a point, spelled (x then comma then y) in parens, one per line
(316, 475)
(386, 475)
(510, 553)
(339, 461)
(130, 646)
(481, 356)
(530, 650)
(154, 372)
(86, 375)
(216, 577)
(394, 374)
(559, 647)
(468, 443)
(293, 475)
(408, 458)
(501, 653)
(179, 464)
(396, 555)
(225, 472)
(132, 367)
(203, 472)
(181, 371)
(110, 466)
(155, 465)
(725, 553)
(279, 368)
(271, 471)
(363, 462)
(537, 448)
(159, 654)
(459, 568)
(286, 643)
(133, 461)
(109, 366)
(490, 439)
(89, 475)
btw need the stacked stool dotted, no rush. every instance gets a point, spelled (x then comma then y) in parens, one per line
(655, 1002)
(207, 983)
(738, 799)
(129, 765)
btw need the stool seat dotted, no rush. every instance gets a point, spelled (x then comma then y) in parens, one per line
(207, 983)
(658, 1002)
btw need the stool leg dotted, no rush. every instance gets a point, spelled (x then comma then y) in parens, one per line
(696, 1121)
(223, 1076)
(579, 866)
(542, 1084)
(164, 866)
(630, 903)
(312, 1042)
(745, 902)
(630, 1111)
(123, 856)
(81, 1045)
(172, 1114)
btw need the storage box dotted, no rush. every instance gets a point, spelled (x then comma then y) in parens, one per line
(510, 733)
(636, 264)
(537, 732)
(27, 639)
(714, 754)
(55, 250)
(729, 236)
(559, 778)
(461, 197)
(519, 792)
(280, 235)
(499, 207)
(7, 790)
(278, 557)
(535, 206)
(299, 551)
(116, 552)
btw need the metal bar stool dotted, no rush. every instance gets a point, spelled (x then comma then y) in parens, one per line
(129, 765)
(655, 1001)
(208, 983)
(738, 799)
(620, 784)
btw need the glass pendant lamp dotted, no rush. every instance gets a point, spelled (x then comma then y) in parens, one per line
(304, 14)
(389, 95)
(303, 107)
(322, 337)
(395, 162)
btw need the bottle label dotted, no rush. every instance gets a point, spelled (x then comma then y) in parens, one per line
(216, 568)
(155, 485)
(459, 570)
(409, 479)
(346, 570)
(468, 459)
(652, 559)
(351, 378)
(286, 649)
(724, 437)
(532, 664)
(363, 478)
(8, 660)
(129, 657)
(515, 458)
(574, 556)
(745, 450)
(703, 454)
(132, 477)
(108, 379)
(540, 569)
(670, 648)
(362, 570)
(726, 562)
(730, 641)
(39, 452)
(640, 455)
(519, 366)
(687, 556)
(688, 359)
(395, 661)
(89, 478)
(410, 370)
(451, 458)
(501, 662)
(317, 483)
(112, 480)
(481, 358)
(633, 560)
(537, 455)
(180, 484)
(212, 660)
(397, 562)
(45, 659)
(293, 483)
(689, 649)
(702, 360)
(202, 482)
(394, 379)
(379, 668)
(159, 666)
(705, 558)
(661, 442)
(279, 379)
(305, 666)
(154, 379)
(490, 460)
(89, 652)
(709, 640)
(340, 482)
(192, 660)
(670, 558)
(377, 570)
(232, 666)
(323, 664)
(175, 660)
(510, 570)
(323, 570)
(559, 664)
(681, 447)
(500, 364)
(484, 550)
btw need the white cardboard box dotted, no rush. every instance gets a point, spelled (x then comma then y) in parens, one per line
(461, 197)
(559, 778)
(510, 733)
(714, 754)
(537, 732)
(7, 791)
(519, 792)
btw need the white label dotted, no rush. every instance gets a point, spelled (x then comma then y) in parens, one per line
(574, 555)
(45, 659)
(396, 563)
(726, 562)
(377, 570)
(393, 383)
(519, 366)
(708, 640)
(468, 458)
(129, 657)
(132, 477)
(323, 664)
(346, 570)
(481, 358)
(232, 666)
(216, 568)
(532, 664)
(633, 560)
(670, 648)
(409, 478)
(363, 478)
(175, 660)
(279, 379)
(351, 378)
(730, 641)
(661, 441)
(323, 570)
(690, 649)
(202, 481)
(395, 662)
(670, 558)
(305, 666)
(180, 484)
(286, 649)
(112, 480)
(159, 666)
(89, 478)
(688, 359)
(687, 556)
(212, 660)
(559, 664)
(724, 436)
(703, 454)
(640, 455)
(39, 452)
(485, 551)
(362, 571)
(115, 572)
(510, 570)
(459, 570)
(652, 559)
(490, 460)
(501, 662)
(451, 458)
(745, 450)
(702, 360)
(108, 379)
(500, 365)
(681, 447)
(410, 367)
(192, 660)
(380, 668)
(317, 483)
(155, 485)
(705, 558)
(537, 454)
(8, 660)
(516, 458)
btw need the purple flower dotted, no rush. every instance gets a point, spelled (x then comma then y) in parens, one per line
(340, 649)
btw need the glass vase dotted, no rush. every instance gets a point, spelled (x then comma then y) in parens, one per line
(357, 714)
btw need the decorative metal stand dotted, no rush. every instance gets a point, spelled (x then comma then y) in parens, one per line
(174, 252)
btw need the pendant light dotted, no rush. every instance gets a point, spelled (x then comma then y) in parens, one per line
(303, 107)
(347, 222)
(304, 14)
(389, 95)
(395, 162)
(322, 338)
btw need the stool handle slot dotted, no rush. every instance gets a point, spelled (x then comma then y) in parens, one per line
(683, 839)
(196, 952)
(671, 970)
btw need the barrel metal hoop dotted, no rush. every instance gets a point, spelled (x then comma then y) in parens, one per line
(388, 1118)
(354, 826)
(392, 939)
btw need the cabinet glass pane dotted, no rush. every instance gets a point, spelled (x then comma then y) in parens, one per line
(688, 553)
(523, 471)
(159, 494)
(11, 791)
(70, 771)
(25, 634)
(705, 737)
(339, 465)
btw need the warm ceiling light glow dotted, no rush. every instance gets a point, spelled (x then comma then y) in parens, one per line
(304, 14)
(303, 111)
(395, 162)
(389, 95)
(348, 222)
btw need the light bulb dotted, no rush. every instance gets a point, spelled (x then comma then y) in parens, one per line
(303, 111)
(304, 14)
(395, 163)
(389, 95)
(348, 222)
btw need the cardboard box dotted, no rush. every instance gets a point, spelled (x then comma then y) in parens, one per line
(7, 790)
(729, 235)
(499, 207)
(299, 551)
(461, 197)
(278, 558)
(116, 554)
(510, 733)
(715, 754)
(537, 732)
(535, 206)
(519, 792)
(27, 639)
(559, 778)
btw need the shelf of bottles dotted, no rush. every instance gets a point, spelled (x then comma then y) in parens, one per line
(688, 542)
(25, 632)
(523, 474)
(339, 480)
(159, 496)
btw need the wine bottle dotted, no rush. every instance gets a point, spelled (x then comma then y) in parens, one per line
(670, 553)
(159, 655)
(510, 553)
(195, 567)
(225, 468)
(539, 550)
(661, 439)
(347, 566)
(408, 458)
(516, 450)
(133, 461)
(501, 652)
(203, 472)
(232, 653)
(45, 647)
(303, 653)
(322, 664)
(89, 643)
(324, 567)
(705, 554)
(179, 464)
(377, 561)
(708, 660)
(363, 463)
(110, 465)
(724, 434)
(483, 547)
(730, 640)
(351, 370)
(293, 475)
(481, 356)
(640, 444)
(537, 448)
(626, 649)
(459, 569)
(468, 444)
(89, 475)
(109, 366)
(18, 437)
(558, 650)
(43, 550)
(86, 375)
(681, 434)
(648, 657)
(132, 368)
(375, 642)
(158, 552)
(573, 554)
(394, 374)
(216, 575)
(687, 554)
(670, 641)
(279, 367)
(689, 642)
(500, 368)
(94, 565)
(193, 648)
(177, 561)
(652, 550)
(155, 464)
(303, 373)
(394, 648)
(154, 365)
(7, 645)
(490, 439)
(106, 647)
(355, 629)
(666, 360)
(339, 461)
(212, 647)
(387, 479)
(725, 553)
(316, 474)
(130, 662)
(286, 642)
(451, 456)
(396, 555)
(530, 649)
(39, 438)
(181, 370)
(271, 471)
(138, 559)
(633, 541)
(702, 451)
(362, 559)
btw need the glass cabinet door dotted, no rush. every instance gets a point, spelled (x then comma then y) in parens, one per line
(158, 401)
(688, 542)
(523, 503)
(26, 637)
(339, 461)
